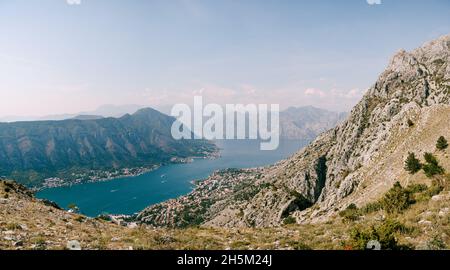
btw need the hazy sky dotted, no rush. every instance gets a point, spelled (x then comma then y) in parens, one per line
(65, 56)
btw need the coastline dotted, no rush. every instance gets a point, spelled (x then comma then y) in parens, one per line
(56, 182)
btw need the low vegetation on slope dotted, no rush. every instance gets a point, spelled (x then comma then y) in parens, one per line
(418, 214)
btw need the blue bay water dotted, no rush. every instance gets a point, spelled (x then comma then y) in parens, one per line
(132, 194)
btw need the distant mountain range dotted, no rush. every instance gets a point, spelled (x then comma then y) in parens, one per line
(107, 110)
(296, 123)
(87, 117)
(33, 151)
(308, 122)
(302, 123)
(96, 145)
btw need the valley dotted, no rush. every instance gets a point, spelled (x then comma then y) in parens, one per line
(128, 195)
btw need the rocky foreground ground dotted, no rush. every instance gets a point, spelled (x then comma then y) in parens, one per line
(29, 223)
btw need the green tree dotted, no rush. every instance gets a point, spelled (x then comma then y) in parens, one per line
(412, 164)
(441, 143)
(289, 220)
(351, 213)
(396, 199)
(432, 167)
(384, 234)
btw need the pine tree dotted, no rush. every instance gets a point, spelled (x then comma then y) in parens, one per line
(432, 167)
(412, 164)
(441, 143)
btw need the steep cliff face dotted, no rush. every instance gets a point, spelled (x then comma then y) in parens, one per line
(415, 86)
(360, 158)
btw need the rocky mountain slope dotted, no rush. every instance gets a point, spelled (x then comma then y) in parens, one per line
(406, 110)
(28, 223)
(74, 149)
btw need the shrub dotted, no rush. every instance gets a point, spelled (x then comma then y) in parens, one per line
(441, 143)
(384, 234)
(351, 213)
(412, 164)
(289, 220)
(436, 243)
(396, 199)
(80, 218)
(360, 238)
(432, 167)
(392, 225)
(301, 246)
(104, 217)
(435, 189)
(13, 226)
(371, 207)
(429, 158)
(416, 188)
(423, 193)
(352, 206)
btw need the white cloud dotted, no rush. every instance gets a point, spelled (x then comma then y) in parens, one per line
(354, 93)
(374, 2)
(332, 98)
(314, 92)
(73, 2)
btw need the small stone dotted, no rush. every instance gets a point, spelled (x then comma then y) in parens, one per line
(425, 222)
(73, 245)
(437, 197)
(443, 212)
(132, 225)
(115, 239)
(427, 214)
